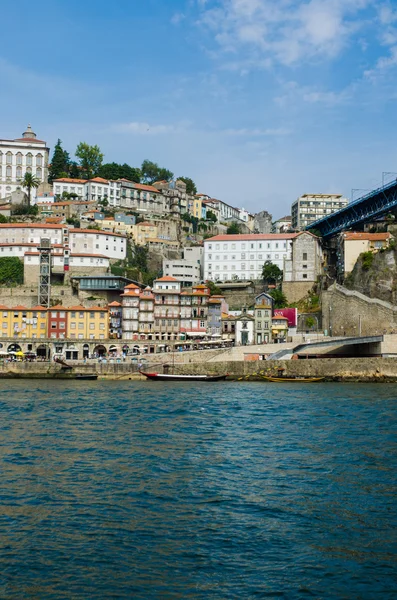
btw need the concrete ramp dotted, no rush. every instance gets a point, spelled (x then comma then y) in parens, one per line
(286, 353)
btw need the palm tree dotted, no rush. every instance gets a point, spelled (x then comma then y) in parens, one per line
(29, 182)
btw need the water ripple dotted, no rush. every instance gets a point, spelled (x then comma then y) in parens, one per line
(235, 490)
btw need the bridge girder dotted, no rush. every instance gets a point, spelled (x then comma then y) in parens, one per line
(376, 204)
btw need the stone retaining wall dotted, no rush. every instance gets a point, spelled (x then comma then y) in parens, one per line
(336, 369)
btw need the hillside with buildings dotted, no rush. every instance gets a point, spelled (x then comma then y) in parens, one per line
(153, 263)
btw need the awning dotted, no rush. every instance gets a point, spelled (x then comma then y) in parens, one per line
(196, 334)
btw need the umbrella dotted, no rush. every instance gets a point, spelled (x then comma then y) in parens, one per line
(19, 353)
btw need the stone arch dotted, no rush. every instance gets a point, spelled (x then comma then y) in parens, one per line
(86, 351)
(43, 351)
(14, 348)
(100, 350)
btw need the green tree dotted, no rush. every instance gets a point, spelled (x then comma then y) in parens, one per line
(211, 216)
(280, 300)
(11, 270)
(90, 158)
(271, 273)
(30, 181)
(214, 289)
(233, 228)
(3, 219)
(114, 171)
(190, 185)
(151, 172)
(74, 170)
(59, 166)
(310, 322)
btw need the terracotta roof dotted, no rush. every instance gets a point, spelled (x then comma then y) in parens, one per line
(29, 226)
(114, 303)
(96, 232)
(99, 180)
(3, 306)
(38, 307)
(69, 180)
(167, 278)
(214, 300)
(26, 139)
(20, 307)
(361, 235)
(145, 188)
(132, 286)
(280, 317)
(242, 237)
(53, 220)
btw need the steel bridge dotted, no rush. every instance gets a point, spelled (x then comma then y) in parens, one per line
(366, 209)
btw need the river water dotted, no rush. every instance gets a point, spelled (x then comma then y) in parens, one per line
(205, 490)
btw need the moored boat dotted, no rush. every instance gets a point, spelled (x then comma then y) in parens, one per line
(86, 376)
(293, 379)
(174, 377)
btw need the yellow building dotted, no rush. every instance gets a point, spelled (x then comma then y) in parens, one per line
(197, 208)
(21, 322)
(143, 233)
(87, 323)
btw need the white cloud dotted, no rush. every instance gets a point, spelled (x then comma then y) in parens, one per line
(280, 131)
(177, 18)
(283, 31)
(142, 128)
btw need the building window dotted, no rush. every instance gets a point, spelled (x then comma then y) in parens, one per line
(29, 159)
(304, 256)
(9, 158)
(304, 276)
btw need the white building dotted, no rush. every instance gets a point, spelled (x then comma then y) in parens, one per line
(70, 186)
(242, 256)
(187, 272)
(311, 207)
(22, 155)
(282, 225)
(112, 245)
(31, 233)
(81, 241)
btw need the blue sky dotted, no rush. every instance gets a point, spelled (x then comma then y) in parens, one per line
(258, 101)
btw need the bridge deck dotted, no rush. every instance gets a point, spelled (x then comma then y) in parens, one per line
(366, 209)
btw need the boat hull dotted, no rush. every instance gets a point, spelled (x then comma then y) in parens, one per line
(86, 377)
(173, 377)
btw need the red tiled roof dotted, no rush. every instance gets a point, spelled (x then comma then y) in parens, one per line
(146, 188)
(26, 139)
(38, 307)
(114, 303)
(96, 231)
(99, 180)
(69, 180)
(361, 235)
(29, 226)
(167, 278)
(132, 286)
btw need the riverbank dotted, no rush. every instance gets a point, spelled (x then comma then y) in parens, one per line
(331, 369)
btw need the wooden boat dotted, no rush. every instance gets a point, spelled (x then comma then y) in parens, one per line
(293, 379)
(174, 377)
(86, 376)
